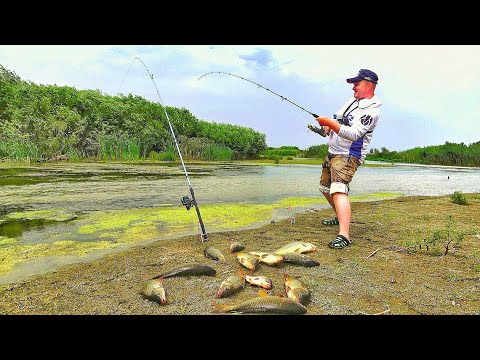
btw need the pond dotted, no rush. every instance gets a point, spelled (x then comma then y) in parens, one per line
(57, 213)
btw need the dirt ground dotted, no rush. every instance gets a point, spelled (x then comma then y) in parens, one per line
(387, 270)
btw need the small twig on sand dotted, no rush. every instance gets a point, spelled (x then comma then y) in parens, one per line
(380, 313)
(373, 253)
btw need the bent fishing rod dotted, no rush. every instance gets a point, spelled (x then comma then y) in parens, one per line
(186, 201)
(319, 131)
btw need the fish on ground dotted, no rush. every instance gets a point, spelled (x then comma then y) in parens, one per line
(192, 269)
(230, 285)
(296, 290)
(267, 258)
(154, 291)
(297, 247)
(248, 260)
(299, 259)
(236, 246)
(258, 280)
(263, 304)
(214, 254)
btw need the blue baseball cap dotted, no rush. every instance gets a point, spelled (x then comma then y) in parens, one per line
(364, 74)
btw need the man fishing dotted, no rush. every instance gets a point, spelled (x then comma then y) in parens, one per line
(349, 134)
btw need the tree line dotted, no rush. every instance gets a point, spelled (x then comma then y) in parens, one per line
(39, 122)
(450, 154)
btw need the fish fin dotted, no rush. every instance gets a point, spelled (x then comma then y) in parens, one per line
(156, 277)
(262, 293)
(218, 308)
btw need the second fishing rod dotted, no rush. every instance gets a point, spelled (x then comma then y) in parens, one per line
(312, 127)
(186, 200)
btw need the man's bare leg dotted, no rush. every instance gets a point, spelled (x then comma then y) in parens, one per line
(344, 213)
(330, 200)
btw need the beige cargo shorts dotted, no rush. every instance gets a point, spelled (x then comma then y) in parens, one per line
(337, 172)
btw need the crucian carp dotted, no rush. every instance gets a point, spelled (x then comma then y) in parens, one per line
(248, 260)
(236, 246)
(297, 247)
(214, 254)
(267, 258)
(296, 290)
(230, 285)
(263, 304)
(258, 280)
(193, 269)
(154, 290)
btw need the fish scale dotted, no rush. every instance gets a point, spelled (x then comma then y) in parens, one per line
(263, 304)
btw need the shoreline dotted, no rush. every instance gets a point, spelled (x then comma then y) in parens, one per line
(398, 277)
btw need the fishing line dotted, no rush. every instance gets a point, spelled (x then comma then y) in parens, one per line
(319, 131)
(118, 91)
(186, 201)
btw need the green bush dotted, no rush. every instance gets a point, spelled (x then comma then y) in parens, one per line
(167, 155)
(458, 198)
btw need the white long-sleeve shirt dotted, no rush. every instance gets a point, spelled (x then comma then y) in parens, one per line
(361, 118)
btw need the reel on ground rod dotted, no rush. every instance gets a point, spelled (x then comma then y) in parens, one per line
(187, 202)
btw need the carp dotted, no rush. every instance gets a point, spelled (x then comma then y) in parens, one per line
(230, 285)
(263, 304)
(299, 259)
(296, 290)
(154, 290)
(236, 246)
(193, 269)
(267, 258)
(214, 254)
(296, 247)
(247, 260)
(258, 280)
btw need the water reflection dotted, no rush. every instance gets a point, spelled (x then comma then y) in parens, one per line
(99, 186)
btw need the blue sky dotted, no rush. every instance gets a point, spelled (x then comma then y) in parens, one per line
(429, 92)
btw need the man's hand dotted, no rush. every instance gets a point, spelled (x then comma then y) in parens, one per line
(319, 131)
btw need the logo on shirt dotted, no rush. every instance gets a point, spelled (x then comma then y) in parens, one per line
(366, 120)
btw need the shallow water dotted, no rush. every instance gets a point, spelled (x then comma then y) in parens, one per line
(85, 195)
